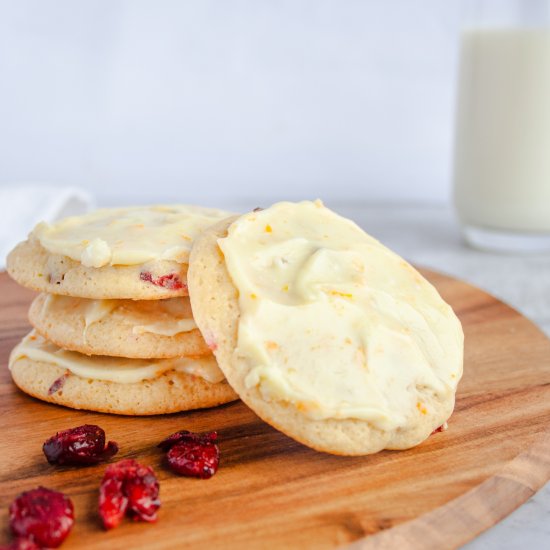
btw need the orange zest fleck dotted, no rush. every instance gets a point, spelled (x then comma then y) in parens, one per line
(305, 406)
(421, 408)
(342, 294)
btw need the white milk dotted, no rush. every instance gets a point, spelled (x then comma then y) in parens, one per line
(502, 157)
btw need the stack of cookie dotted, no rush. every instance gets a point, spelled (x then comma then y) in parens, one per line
(113, 327)
(321, 330)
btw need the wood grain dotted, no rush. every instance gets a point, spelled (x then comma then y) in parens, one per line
(272, 492)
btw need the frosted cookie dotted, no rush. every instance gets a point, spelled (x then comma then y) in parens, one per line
(139, 253)
(325, 333)
(115, 385)
(123, 328)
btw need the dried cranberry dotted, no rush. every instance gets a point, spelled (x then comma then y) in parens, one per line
(58, 384)
(21, 543)
(44, 516)
(112, 502)
(142, 489)
(81, 445)
(190, 454)
(170, 281)
(441, 428)
(128, 487)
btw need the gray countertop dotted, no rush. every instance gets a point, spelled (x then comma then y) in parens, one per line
(429, 236)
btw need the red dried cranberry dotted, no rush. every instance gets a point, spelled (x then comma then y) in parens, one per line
(112, 502)
(142, 489)
(177, 437)
(441, 428)
(128, 487)
(190, 454)
(58, 384)
(170, 281)
(146, 276)
(21, 543)
(42, 515)
(81, 445)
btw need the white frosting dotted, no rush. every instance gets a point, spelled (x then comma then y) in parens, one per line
(168, 312)
(128, 236)
(95, 310)
(166, 328)
(333, 322)
(112, 369)
(96, 254)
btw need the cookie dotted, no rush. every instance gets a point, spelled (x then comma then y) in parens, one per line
(138, 253)
(325, 333)
(105, 384)
(122, 328)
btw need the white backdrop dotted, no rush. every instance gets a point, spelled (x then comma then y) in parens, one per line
(206, 101)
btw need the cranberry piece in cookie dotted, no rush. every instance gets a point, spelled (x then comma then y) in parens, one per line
(171, 281)
(58, 384)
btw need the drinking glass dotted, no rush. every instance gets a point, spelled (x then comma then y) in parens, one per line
(502, 141)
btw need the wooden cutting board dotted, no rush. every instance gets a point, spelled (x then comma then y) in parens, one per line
(272, 492)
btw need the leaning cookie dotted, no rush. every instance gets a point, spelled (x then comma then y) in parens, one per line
(326, 334)
(138, 253)
(121, 328)
(111, 385)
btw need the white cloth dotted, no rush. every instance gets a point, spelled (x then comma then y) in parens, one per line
(22, 206)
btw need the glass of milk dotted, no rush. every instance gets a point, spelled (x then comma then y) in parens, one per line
(502, 145)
